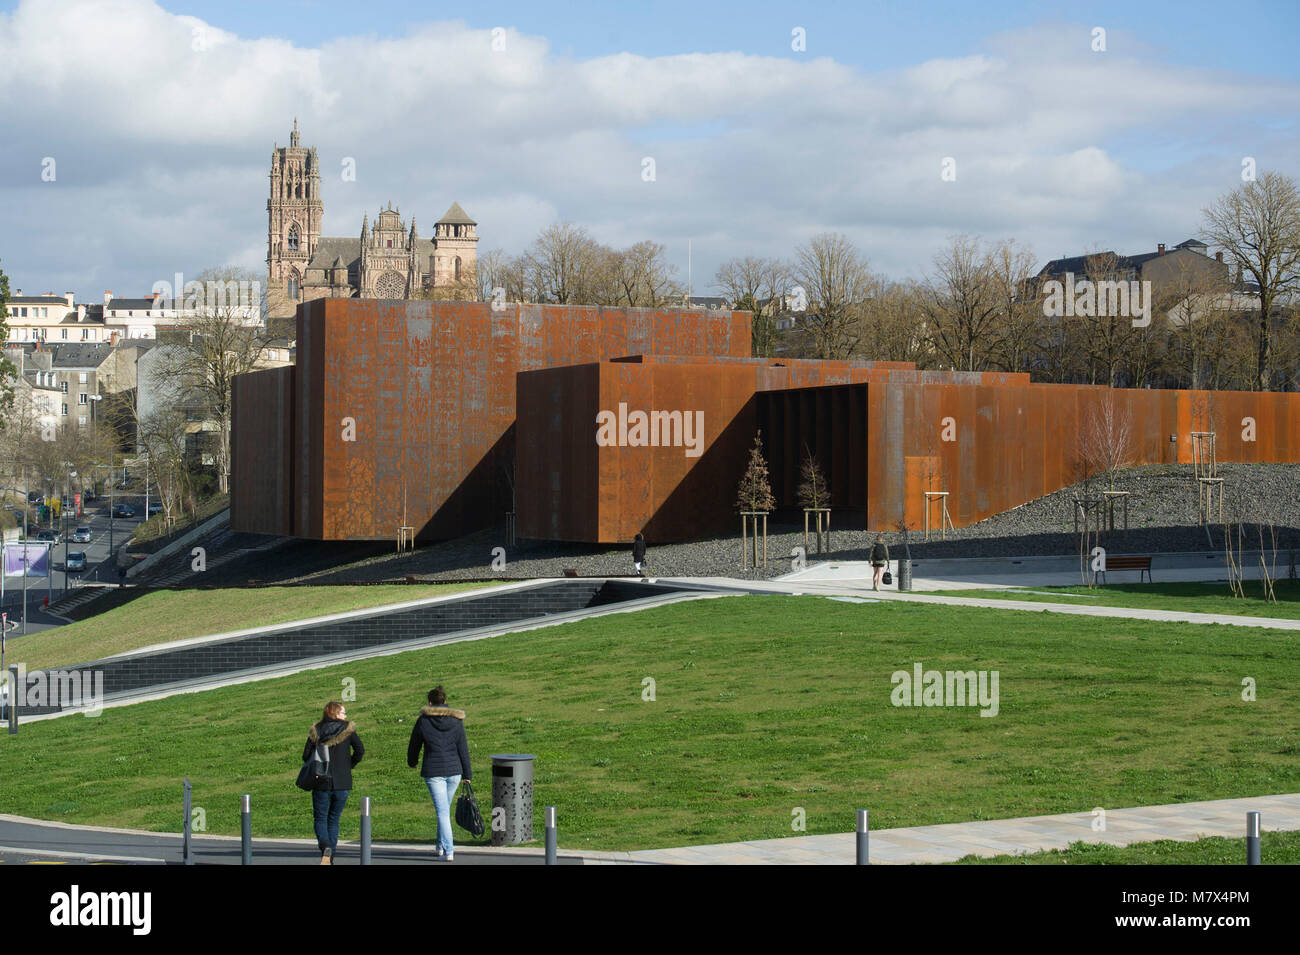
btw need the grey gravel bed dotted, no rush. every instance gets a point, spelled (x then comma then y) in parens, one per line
(1162, 519)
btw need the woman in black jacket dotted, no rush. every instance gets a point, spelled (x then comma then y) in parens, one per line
(638, 552)
(327, 801)
(440, 732)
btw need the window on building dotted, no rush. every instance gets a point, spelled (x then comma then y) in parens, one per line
(293, 238)
(81, 420)
(85, 334)
(81, 377)
(64, 331)
(390, 243)
(65, 390)
(293, 288)
(65, 407)
(83, 399)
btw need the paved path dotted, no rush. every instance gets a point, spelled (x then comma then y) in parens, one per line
(947, 843)
(23, 839)
(859, 588)
(973, 573)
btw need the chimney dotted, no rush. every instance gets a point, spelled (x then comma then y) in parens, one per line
(69, 297)
(108, 297)
(1160, 249)
(18, 292)
(81, 313)
(1218, 256)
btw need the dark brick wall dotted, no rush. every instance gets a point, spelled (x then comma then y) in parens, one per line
(122, 674)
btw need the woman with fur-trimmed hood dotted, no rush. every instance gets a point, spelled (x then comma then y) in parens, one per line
(327, 801)
(440, 732)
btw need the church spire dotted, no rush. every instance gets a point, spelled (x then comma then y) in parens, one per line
(365, 228)
(293, 137)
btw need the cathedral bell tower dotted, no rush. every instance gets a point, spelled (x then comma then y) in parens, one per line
(294, 214)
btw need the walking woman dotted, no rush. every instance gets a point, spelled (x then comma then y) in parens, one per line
(879, 561)
(328, 799)
(440, 732)
(638, 552)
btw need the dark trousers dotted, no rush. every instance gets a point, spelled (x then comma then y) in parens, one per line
(326, 810)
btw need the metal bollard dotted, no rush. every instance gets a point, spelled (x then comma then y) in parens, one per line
(13, 701)
(245, 831)
(550, 836)
(1252, 838)
(365, 830)
(186, 857)
(864, 826)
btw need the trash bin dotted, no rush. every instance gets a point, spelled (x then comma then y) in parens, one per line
(512, 799)
(905, 574)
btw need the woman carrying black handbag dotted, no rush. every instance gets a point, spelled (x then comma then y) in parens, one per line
(440, 732)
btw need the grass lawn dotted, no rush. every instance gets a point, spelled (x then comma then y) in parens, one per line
(178, 614)
(1192, 597)
(1275, 848)
(764, 705)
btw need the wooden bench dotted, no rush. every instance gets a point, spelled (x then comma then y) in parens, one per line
(1142, 564)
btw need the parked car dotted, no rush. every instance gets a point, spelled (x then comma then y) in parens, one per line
(76, 561)
(81, 535)
(48, 535)
(123, 510)
(154, 509)
(34, 497)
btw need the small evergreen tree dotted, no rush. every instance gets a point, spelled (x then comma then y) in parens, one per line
(755, 491)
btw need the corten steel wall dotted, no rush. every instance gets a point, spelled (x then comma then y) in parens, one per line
(261, 444)
(659, 491)
(1012, 443)
(429, 389)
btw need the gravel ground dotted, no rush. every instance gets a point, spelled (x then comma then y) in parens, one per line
(1162, 519)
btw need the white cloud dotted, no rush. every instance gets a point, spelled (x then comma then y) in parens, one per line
(163, 126)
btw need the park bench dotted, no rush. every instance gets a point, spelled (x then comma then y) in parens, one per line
(1142, 564)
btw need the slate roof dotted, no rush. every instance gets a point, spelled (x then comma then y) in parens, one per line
(455, 215)
(78, 355)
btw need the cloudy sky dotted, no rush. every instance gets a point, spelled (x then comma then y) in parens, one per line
(160, 119)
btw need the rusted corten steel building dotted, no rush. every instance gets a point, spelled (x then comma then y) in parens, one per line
(882, 445)
(444, 416)
(402, 413)
(579, 488)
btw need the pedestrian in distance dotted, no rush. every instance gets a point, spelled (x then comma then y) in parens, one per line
(339, 735)
(638, 553)
(440, 732)
(879, 561)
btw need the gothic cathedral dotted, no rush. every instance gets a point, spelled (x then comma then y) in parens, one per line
(388, 261)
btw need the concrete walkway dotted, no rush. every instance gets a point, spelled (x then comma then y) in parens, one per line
(973, 573)
(22, 839)
(855, 583)
(947, 843)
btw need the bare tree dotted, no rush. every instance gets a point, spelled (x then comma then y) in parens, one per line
(962, 305)
(1019, 313)
(562, 264)
(1258, 228)
(758, 286)
(221, 343)
(1106, 437)
(837, 283)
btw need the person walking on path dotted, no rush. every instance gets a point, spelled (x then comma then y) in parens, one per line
(879, 561)
(440, 732)
(638, 552)
(328, 799)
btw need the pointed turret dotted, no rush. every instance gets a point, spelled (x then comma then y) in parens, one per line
(293, 137)
(365, 228)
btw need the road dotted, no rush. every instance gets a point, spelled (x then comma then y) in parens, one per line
(100, 564)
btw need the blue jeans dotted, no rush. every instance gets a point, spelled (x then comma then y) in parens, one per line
(326, 809)
(443, 790)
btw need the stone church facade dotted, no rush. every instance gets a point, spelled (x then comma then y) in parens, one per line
(386, 261)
